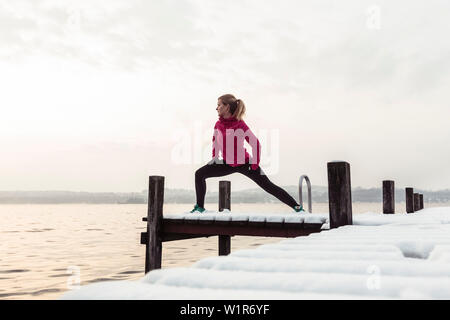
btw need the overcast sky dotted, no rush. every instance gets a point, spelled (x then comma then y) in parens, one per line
(97, 95)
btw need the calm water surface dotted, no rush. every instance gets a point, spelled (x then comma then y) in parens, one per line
(49, 249)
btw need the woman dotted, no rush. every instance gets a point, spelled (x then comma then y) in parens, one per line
(229, 133)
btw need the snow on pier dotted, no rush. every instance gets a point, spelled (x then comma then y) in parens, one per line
(390, 256)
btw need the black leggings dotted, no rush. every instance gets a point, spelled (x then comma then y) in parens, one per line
(213, 169)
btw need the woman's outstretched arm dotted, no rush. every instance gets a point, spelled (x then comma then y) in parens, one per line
(253, 141)
(216, 142)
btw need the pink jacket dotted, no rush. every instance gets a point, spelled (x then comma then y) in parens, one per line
(224, 131)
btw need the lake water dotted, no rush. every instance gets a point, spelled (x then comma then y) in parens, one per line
(49, 249)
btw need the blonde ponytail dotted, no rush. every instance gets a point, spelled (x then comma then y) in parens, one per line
(237, 106)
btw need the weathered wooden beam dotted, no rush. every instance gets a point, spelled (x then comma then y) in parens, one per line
(339, 194)
(224, 203)
(388, 197)
(153, 252)
(263, 229)
(409, 198)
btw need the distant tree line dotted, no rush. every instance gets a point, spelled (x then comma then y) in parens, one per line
(256, 195)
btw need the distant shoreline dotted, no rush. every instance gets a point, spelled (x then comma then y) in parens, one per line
(181, 196)
(444, 203)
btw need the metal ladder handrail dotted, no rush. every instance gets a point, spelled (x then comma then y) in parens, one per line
(300, 184)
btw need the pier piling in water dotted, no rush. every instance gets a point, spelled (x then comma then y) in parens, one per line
(153, 252)
(409, 198)
(224, 203)
(339, 194)
(388, 197)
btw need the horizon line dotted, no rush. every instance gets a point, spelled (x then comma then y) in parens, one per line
(146, 190)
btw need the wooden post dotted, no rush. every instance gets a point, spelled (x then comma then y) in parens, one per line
(416, 202)
(153, 252)
(339, 194)
(388, 196)
(224, 203)
(409, 197)
(421, 201)
(224, 195)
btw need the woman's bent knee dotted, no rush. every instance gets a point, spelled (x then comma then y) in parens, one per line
(201, 173)
(198, 174)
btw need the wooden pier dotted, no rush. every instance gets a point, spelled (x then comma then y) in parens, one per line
(194, 225)
(369, 259)
(161, 229)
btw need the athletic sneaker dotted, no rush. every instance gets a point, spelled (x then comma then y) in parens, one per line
(197, 209)
(299, 208)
